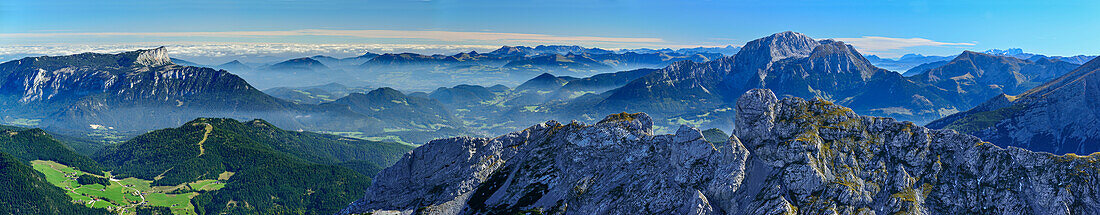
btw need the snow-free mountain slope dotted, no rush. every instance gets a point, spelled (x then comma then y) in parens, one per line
(1060, 116)
(75, 91)
(983, 76)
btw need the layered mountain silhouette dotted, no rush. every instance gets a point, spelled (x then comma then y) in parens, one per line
(792, 64)
(905, 62)
(569, 63)
(75, 91)
(465, 94)
(298, 64)
(924, 68)
(728, 50)
(314, 94)
(1060, 116)
(234, 65)
(112, 95)
(1020, 54)
(390, 105)
(913, 64)
(982, 76)
(546, 50)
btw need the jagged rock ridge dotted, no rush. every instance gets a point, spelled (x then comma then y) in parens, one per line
(787, 156)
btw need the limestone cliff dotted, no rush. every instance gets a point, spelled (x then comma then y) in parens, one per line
(786, 156)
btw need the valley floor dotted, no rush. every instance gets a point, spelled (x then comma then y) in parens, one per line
(125, 195)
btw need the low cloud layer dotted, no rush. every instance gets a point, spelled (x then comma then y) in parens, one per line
(450, 36)
(212, 47)
(212, 53)
(889, 47)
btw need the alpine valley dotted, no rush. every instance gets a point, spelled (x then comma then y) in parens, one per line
(784, 124)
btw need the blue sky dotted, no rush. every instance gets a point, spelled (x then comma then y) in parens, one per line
(888, 28)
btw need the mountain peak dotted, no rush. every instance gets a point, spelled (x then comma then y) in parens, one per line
(832, 48)
(1011, 51)
(910, 56)
(545, 75)
(1094, 63)
(367, 55)
(634, 122)
(755, 113)
(970, 53)
(153, 57)
(304, 63)
(385, 92)
(760, 53)
(545, 81)
(985, 57)
(788, 34)
(511, 50)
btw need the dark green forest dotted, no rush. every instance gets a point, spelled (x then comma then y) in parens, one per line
(277, 171)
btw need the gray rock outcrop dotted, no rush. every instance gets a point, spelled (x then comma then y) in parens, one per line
(786, 156)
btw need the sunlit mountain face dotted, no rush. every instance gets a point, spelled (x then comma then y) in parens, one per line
(548, 107)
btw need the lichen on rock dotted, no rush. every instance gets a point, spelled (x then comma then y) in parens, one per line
(785, 156)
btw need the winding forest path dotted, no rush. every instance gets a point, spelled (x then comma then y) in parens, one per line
(209, 128)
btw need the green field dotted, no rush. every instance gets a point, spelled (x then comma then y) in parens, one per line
(126, 194)
(207, 185)
(360, 135)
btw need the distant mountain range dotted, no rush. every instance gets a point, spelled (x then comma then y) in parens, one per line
(728, 50)
(984, 76)
(913, 64)
(314, 94)
(101, 95)
(298, 64)
(312, 146)
(1019, 53)
(96, 95)
(790, 64)
(77, 91)
(1059, 116)
(906, 62)
(507, 65)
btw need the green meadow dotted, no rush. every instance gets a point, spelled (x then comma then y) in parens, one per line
(124, 195)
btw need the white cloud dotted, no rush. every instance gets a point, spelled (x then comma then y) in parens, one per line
(255, 52)
(248, 52)
(379, 34)
(888, 45)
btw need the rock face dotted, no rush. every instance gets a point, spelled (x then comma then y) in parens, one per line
(153, 57)
(1060, 116)
(74, 91)
(787, 156)
(790, 64)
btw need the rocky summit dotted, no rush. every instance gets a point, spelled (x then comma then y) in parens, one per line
(786, 156)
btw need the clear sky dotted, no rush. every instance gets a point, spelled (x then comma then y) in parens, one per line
(887, 28)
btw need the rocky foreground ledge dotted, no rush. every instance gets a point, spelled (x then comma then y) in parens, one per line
(787, 156)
